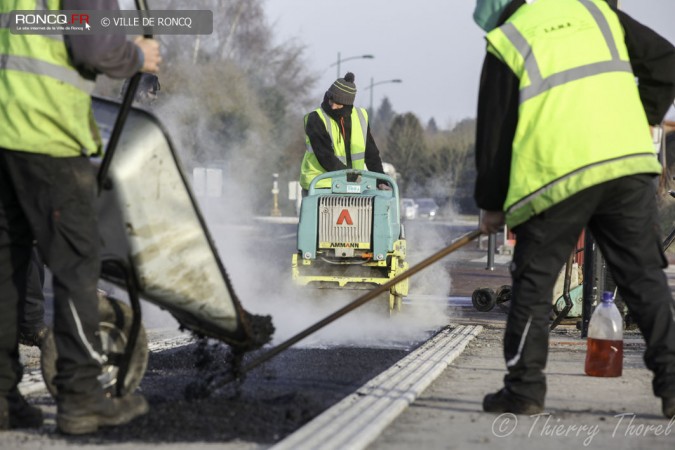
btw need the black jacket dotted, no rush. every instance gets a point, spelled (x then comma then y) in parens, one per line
(653, 61)
(323, 147)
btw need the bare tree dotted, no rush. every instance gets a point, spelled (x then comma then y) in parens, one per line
(234, 98)
(406, 148)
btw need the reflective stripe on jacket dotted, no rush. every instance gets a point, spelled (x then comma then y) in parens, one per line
(311, 168)
(45, 104)
(580, 120)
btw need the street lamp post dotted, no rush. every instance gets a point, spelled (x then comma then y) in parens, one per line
(340, 60)
(372, 84)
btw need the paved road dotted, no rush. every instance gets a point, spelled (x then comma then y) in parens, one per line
(305, 381)
(273, 401)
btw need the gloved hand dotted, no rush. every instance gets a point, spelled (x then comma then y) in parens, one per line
(491, 221)
(383, 187)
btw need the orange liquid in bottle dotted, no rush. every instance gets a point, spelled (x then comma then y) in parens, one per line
(604, 358)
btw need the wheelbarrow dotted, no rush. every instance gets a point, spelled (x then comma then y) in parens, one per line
(156, 245)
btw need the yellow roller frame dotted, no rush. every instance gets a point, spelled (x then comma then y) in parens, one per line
(396, 266)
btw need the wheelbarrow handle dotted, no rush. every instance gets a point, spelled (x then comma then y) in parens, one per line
(122, 115)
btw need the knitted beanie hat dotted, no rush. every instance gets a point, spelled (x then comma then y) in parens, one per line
(343, 90)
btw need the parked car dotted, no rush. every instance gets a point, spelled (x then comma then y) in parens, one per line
(426, 208)
(408, 208)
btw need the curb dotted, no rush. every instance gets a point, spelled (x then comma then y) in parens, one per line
(360, 418)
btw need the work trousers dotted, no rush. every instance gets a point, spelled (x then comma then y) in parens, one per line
(51, 200)
(32, 310)
(622, 216)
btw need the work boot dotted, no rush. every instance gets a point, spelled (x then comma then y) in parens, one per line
(85, 414)
(504, 401)
(668, 406)
(34, 337)
(21, 413)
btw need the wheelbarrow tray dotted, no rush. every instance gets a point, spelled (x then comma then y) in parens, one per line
(152, 228)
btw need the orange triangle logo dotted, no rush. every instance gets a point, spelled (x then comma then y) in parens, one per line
(344, 217)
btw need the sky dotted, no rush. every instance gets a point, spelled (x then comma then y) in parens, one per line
(433, 46)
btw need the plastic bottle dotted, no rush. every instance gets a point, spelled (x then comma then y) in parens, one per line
(604, 347)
